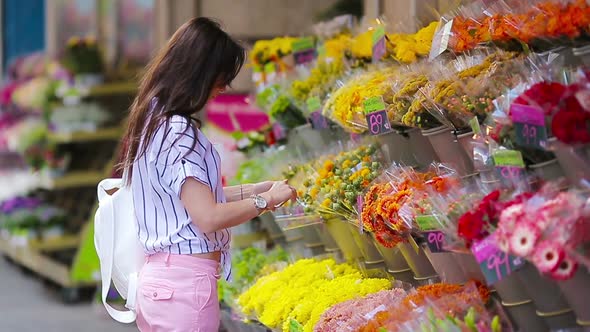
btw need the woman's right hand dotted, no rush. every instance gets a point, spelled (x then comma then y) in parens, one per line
(279, 193)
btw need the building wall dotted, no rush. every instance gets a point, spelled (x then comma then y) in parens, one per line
(247, 20)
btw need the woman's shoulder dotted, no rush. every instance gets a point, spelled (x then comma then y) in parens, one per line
(180, 125)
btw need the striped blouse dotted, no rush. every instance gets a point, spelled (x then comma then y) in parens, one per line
(174, 155)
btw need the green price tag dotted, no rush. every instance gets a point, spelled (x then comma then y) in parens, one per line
(427, 222)
(321, 49)
(257, 69)
(474, 123)
(373, 104)
(379, 49)
(302, 44)
(295, 326)
(270, 68)
(511, 158)
(378, 34)
(313, 104)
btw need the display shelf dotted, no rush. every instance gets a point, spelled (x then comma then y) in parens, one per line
(56, 243)
(36, 261)
(73, 180)
(109, 89)
(104, 134)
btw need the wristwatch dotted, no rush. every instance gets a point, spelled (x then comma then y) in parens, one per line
(260, 203)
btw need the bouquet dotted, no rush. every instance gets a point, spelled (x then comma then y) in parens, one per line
(345, 105)
(333, 187)
(82, 56)
(546, 228)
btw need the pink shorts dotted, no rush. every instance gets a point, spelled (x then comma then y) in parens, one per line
(178, 293)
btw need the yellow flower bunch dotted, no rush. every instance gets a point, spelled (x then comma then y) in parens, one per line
(362, 45)
(304, 290)
(336, 182)
(337, 46)
(408, 47)
(319, 80)
(345, 105)
(402, 99)
(270, 50)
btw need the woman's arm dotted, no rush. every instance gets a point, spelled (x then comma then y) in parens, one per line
(211, 216)
(243, 191)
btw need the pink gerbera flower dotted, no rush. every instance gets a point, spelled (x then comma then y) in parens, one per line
(502, 240)
(565, 270)
(547, 256)
(510, 216)
(524, 238)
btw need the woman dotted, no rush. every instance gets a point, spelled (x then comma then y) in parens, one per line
(182, 210)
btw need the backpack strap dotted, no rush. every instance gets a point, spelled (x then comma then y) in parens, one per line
(106, 215)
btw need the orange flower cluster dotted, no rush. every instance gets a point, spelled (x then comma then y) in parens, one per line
(458, 298)
(383, 202)
(551, 19)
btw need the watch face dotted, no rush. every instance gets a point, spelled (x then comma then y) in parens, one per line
(260, 202)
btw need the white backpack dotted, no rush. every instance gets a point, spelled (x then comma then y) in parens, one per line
(117, 245)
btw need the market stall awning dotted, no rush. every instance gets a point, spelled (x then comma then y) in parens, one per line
(233, 112)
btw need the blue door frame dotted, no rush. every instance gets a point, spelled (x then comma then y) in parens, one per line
(23, 28)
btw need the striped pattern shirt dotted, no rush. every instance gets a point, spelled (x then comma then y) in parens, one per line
(177, 152)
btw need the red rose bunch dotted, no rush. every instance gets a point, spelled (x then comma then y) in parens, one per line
(545, 95)
(571, 123)
(474, 225)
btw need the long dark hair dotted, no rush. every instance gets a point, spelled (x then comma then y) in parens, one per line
(198, 58)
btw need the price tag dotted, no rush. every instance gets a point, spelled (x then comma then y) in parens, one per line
(279, 131)
(270, 68)
(529, 123)
(509, 166)
(373, 104)
(318, 121)
(378, 44)
(440, 42)
(378, 123)
(303, 50)
(435, 240)
(376, 116)
(270, 71)
(321, 50)
(475, 127)
(495, 264)
(314, 104)
(257, 74)
(427, 222)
